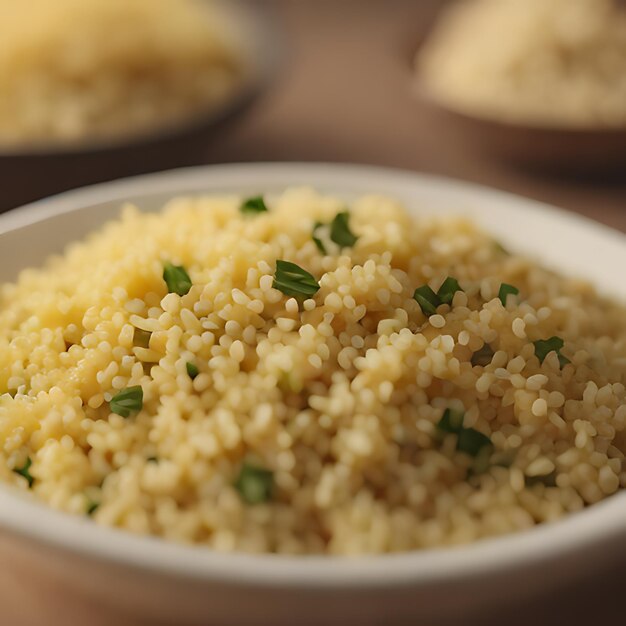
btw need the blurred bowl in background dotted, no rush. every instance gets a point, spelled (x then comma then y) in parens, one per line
(34, 171)
(584, 152)
(525, 82)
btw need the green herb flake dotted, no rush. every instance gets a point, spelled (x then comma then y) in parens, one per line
(472, 441)
(318, 242)
(340, 231)
(451, 421)
(25, 471)
(483, 356)
(192, 370)
(427, 299)
(141, 338)
(447, 290)
(127, 401)
(292, 280)
(469, 440)
(253, 206)
(176, 279)
(543, 347)
(254, 484)
(506, 290)
(152, 459)
(92, 507)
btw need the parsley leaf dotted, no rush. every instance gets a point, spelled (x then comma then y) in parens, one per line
(25, 471)
(505, 290)
(292, 280)
(127, 401)
(177, 279)
(253, 206)
(254, 484)
(543, 347)
(192, 370)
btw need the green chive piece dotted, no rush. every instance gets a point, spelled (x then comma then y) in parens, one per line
(253, 206)
(127, 401)
(472, 441)
(318, 242)
(25, 471)
(255, 484)
(447, 290)
(152, 459)
(427, 299)
(292, 280)
(505, 290)
(141, 338)
(469, 440)
(543, 347)
(92, 507)
(340, 231)
(451, 421)
(177, 279)
(192, 370)
(483, 356)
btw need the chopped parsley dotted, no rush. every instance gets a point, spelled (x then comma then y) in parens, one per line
(429, 300)
(543, 347)
(92, 507)
(451, 421)
(447, 290)
(127, 401)
(318, 242)
(25, 471)
(253, 206)
(141, 338)
(254, 484)
(340, 232)
(292, 280)
(483, 356)
(176, 279)
(192, 370)
(469, 440)
(505, 290)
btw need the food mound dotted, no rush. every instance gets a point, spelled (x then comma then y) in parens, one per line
(297, 374)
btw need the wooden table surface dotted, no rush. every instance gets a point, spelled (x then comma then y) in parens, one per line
(344, 96)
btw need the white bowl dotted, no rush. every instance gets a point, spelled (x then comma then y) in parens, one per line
(154, 579)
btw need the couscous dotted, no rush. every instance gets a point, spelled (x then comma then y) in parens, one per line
(294, 374)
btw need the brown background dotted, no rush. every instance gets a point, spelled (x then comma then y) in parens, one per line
(344, 95)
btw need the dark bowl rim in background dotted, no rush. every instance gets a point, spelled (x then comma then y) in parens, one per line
(262, 58)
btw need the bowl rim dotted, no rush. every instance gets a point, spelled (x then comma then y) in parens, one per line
(22, 516)
(262, 55)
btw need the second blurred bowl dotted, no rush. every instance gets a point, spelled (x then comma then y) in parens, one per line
(35, 172)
